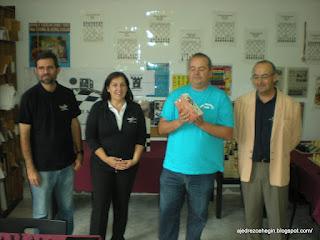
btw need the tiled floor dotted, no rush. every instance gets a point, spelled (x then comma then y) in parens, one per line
(144, 213)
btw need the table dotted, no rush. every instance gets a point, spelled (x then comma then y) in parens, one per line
(307, 175)
(28, 236)
(148, 175)
(82, 178)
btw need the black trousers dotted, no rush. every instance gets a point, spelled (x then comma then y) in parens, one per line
(115, 187)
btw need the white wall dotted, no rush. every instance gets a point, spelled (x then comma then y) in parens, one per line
(186, 14)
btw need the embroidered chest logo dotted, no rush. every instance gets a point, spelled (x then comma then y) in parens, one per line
(207, 106)
(132, 120)
(63, 107)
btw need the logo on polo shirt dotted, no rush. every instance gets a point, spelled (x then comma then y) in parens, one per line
(132, 120)
(207, 106)
(63, 107)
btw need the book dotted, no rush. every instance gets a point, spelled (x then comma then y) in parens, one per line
(185, 103)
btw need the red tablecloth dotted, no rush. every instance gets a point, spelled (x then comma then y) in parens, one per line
(309, 181)
(27, 236)
(82, 179)
(147, 180)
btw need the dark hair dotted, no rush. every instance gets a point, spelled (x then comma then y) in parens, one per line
(47, 55)
(274, 69)
(199, 54)
(105, 95)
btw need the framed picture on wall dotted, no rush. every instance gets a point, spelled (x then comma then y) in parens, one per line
(50, 36)
(297, 81)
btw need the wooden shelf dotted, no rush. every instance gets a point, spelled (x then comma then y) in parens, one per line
(11, 160)
(8, 41)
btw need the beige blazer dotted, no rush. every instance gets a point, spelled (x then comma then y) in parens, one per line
(285, 135)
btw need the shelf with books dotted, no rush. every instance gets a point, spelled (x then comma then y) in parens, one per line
(11, 178)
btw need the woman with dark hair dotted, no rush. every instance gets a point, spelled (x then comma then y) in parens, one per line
(116, 134)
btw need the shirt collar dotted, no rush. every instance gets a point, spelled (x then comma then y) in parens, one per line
(45, 91)
(111, 107)
(273, 99)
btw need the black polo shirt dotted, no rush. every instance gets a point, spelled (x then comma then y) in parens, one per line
(263, 129)
(50, 115)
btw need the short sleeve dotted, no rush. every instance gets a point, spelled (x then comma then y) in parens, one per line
(25, 111)
(142, 132)
(169, 109)
(75, 110)
(225, 117)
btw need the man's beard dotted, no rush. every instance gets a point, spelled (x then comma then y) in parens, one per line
(48, 81)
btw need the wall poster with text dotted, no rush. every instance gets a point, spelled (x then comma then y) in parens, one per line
(298, 82)
(50, 36)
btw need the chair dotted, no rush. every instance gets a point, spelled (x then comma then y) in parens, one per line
(219, 178)
(44, 226)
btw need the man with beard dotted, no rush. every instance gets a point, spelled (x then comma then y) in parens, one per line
(50, 140)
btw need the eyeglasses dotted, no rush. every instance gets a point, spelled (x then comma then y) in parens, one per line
(261, 77)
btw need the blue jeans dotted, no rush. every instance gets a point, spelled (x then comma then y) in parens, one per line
(61, 182)
(173, 188)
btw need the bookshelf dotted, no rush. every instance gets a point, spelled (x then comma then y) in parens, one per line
(11, 179)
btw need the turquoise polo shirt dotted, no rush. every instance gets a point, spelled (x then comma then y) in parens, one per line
(191, 150)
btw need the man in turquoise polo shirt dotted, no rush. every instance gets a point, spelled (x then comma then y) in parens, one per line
(194, 150)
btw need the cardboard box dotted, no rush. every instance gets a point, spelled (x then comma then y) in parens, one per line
(5, 61)
(13, 35)
(11, 24)
(15, 25)
(7, 23)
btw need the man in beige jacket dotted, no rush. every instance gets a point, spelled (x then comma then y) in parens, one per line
(267, 128)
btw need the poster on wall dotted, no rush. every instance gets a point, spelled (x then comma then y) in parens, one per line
(87, 84)
(297, 82)
(50, 36)
(159, 28)
(161, 78)
(92, 27)
(313, 47)
(286, 29)
(280, 84)
(142, 83)
(156, 108)
(179, 80)
(221, 77)
(127, 46)
(190, 43)
(224, 28)
(317, 93)
(255, 45)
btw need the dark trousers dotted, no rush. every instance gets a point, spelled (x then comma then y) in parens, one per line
(115, 187)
